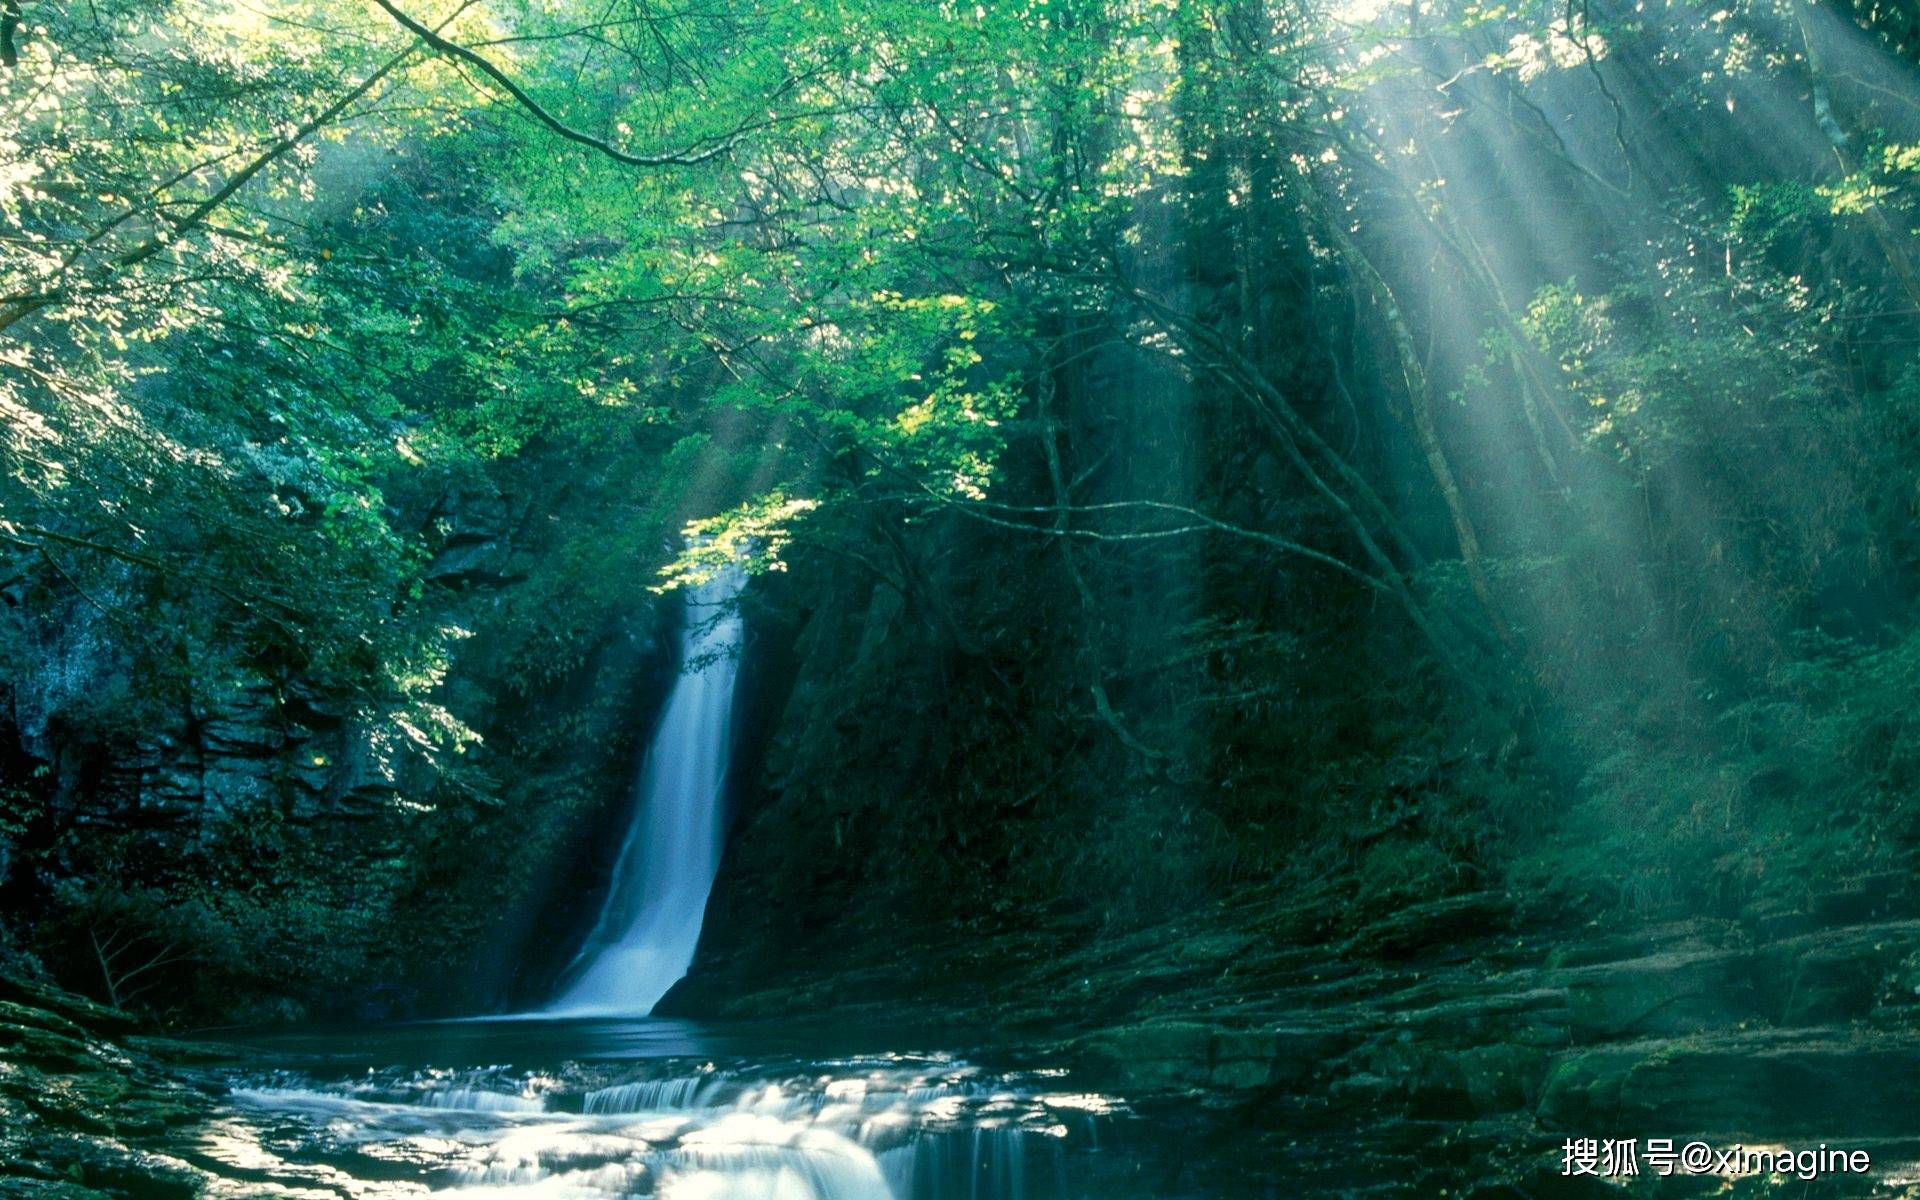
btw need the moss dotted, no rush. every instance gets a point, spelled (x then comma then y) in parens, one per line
(80, 1113)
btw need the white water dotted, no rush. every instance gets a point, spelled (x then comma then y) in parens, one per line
(883, 1128)
(644, 939)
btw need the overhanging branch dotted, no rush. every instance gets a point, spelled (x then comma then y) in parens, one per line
(540, 113)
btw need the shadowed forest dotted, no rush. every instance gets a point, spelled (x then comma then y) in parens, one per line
(1227, 497)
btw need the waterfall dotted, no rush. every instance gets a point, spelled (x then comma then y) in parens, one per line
(644, 939)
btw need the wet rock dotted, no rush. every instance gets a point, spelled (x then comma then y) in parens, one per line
(16, 1014)
(1606, 945)
(1762, 1085)
(47, 1049)
(232, 753)
(1152, 1057)
(76, 1104)
(474, 524)
(39, 1003)
(1772, 919)
(39, 1187)
(1867, 898)
(1671, 993)
(1282, 1057)
(1548, 1183)
(1522, 1014)
(1415, 1077)
(104, 1167)
(1164, 1055)
(1435, 925)
(1840, 976)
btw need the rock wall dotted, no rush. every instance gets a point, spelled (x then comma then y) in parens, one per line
(381, 915)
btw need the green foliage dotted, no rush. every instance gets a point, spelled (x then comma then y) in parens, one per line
(1803, 781)
(1069, 376)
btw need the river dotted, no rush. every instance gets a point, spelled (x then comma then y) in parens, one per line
(595, 1109)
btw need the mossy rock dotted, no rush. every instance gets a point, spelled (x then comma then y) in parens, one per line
(1157, 1056)
(1154, 1056)
(97, 1018)
(1663, 994)
(76, 1108)
(1435, 927)
(104, 1167)
(14, 1013)
(28, 1188)
(1812, 1083)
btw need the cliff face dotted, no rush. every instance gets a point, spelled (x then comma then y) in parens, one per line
(880, 795)
(260, 736)
(270, 842)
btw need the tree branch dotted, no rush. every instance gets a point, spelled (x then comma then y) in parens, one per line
(234, 183)
(540, 113)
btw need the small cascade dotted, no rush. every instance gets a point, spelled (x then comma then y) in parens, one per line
(649, 926)
(961, 1164)
(473, 1099)
(647, 1095)
(889, 1128)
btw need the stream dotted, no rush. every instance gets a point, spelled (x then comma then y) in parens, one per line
(650, 1107)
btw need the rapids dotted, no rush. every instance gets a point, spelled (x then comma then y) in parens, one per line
(647, 1119)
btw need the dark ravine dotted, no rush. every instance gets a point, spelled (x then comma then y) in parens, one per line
(1291, 1032)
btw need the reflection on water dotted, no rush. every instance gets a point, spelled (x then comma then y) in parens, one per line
(621, 1109)
(474, 1043)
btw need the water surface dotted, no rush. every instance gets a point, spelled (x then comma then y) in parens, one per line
(593, 1109)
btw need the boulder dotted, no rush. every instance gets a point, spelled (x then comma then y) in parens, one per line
(1836, 976)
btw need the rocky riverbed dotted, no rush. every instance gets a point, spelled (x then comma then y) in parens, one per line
(1459, 1043)
(88, 1107)
(1451, 1048)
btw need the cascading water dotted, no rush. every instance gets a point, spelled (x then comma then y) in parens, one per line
(888, 1127)
(628, 1106)
(644, 939)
